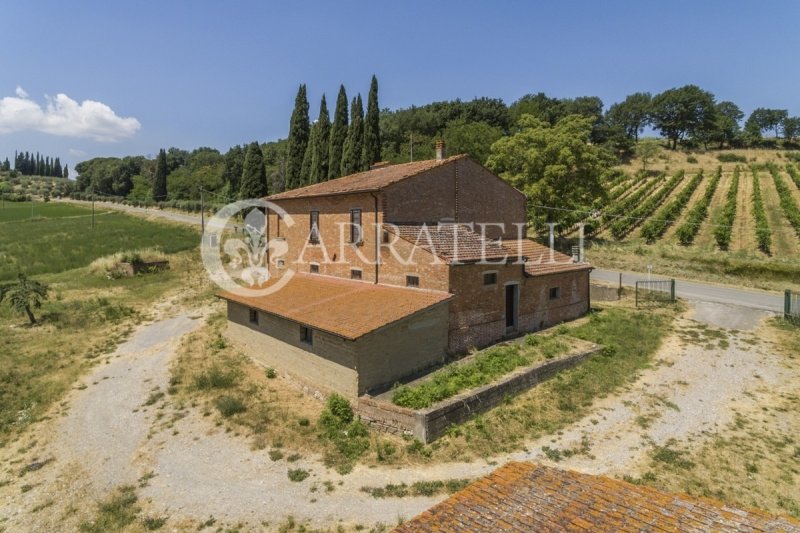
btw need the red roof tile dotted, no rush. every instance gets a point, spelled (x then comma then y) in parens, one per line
(345, 308)
(540, 260)
(530, 497)
(452, 242)
(368, 181)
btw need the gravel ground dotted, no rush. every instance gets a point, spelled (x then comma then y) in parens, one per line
(201, 471)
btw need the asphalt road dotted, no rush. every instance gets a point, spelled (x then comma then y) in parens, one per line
(703, 292)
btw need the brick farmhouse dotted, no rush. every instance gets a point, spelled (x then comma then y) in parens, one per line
(392, 269)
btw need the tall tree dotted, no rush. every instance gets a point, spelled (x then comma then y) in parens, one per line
(254, 176)
(764, 119)
(683, 112)
(791, 129)
(556, 166)
(632, 114)
(372, 127)
(320, 145)
(352, 161)
(305, 169)
(726, 124)
(160, 177)
(338, 135)
(299, 131)
(66, 171)
(232, 171)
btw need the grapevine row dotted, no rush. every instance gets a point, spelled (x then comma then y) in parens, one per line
(622, 226)
(794, 174)
(722, 233)
(788, 204)
(628, 203)
(663, 219)
(763, 233)
(688, 230)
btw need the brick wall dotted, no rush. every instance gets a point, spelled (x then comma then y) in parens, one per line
(429, 424)
(463, 191)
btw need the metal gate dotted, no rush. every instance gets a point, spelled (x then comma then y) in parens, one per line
(791, 308)
(655, 291)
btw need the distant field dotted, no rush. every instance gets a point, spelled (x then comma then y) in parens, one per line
(62, 239)
(22, 210)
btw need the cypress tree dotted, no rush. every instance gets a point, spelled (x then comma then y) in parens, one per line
(232, 171)
(338, 135)
(298, 140)
(160, 178)
(254, 175)
(372, 133)
(305, 170)
(321, 142)
(66, 171)
(353, 146)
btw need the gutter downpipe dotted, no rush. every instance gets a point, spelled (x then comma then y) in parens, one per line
(377, 236)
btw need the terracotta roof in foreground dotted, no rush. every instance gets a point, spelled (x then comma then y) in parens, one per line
(348, 309)
(530, 497)
(540, 260)
(368, 181)
(452, 242)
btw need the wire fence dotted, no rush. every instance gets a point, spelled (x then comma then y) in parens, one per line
(654, 292)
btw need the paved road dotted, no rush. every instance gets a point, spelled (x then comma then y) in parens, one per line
(704, 292)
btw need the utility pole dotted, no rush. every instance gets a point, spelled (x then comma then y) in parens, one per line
(202, 213)
(412, 146)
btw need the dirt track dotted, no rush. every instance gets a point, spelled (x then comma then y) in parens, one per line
(107, 438)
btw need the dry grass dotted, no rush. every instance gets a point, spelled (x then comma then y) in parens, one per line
(280, 416)
(755, 461)
(103, 265)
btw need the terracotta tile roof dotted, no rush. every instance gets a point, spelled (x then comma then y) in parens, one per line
(370, 180)
(530, 497)
(452, 242)
(345, 308)
(539, 260)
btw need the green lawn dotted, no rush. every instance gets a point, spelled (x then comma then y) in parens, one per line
(49, 245)
(10, 211)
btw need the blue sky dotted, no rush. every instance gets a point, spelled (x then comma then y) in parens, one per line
(199, 73)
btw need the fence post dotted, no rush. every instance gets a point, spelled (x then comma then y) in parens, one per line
(672, 291)
(787, 304)
(637, 294)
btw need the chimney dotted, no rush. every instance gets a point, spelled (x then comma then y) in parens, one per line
(439, 150)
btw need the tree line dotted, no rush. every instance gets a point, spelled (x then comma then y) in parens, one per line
(352, 140)
(30, 164)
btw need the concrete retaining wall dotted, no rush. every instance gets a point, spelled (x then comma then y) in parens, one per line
(429, 424)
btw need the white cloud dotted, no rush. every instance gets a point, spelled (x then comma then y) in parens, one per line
(65, 117)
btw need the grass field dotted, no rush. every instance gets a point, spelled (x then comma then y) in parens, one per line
(62, 238)
(27, 210)
(87, 314)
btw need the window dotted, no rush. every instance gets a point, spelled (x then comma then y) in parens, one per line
(555, 293)
(314, 268)
(355, 273)
(281, 263)
(306, 335)
(490, 278)
(313, 237)
(412, 281)
(355, 226)
(253, 316)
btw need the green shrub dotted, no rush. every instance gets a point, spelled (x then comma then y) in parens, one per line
(349, 437)
(728, 157)
(215, 378)
(692, 160)
(298, 474)
(271, 373)
(230, 405)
